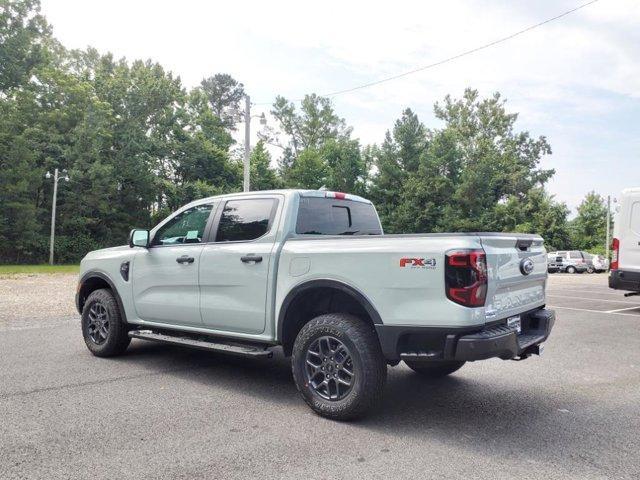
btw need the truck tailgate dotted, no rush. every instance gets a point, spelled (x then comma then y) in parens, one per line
(517, 274)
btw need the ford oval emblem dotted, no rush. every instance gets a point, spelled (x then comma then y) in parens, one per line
(526, 266)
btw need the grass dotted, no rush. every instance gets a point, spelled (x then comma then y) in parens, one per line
(17, 269)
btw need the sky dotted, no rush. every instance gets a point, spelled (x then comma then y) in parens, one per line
(575, 81)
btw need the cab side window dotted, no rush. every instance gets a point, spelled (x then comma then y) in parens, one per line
(186, 227)
(243, 220)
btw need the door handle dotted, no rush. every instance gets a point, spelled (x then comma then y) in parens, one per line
(251, 258)
(185, 259)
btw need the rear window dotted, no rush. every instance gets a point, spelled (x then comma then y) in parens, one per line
(329, 216)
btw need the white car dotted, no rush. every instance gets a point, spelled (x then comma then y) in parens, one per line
(311, 272)
(625, 261)
(600, 263)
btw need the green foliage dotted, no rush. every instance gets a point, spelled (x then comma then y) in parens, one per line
(137, 145)
(538, 213)
(588, 229)
(456, 178)
(22, 34)
(262, 175)
(224, 94)
(318, 148)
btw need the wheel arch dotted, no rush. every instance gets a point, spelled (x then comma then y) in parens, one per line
(95, 280)
(316, 297)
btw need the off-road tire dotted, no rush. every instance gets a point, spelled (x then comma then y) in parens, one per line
(117, 339)
(434, 369)
(369, 365)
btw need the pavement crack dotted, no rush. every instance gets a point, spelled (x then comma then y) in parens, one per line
(93, 382)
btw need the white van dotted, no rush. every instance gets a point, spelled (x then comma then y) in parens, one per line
(625, 262)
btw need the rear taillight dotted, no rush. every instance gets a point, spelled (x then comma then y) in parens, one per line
(466, 277)
(615, 254)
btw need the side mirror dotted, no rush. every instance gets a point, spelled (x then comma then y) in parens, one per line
(139, 238)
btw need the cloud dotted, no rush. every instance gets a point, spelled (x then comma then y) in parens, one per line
(576, 80)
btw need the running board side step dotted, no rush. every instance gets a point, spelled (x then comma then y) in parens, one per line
(245, 350)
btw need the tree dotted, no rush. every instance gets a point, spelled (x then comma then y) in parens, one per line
(396, 160)
(262, 175)
(224, 94)
(310, 128)
(538, 213)
(309, 171)
(590, 226)
(317, 146)
(346, 169)
(22, 34)
(455, 178)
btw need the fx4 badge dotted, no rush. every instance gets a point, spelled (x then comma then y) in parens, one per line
(418, 263)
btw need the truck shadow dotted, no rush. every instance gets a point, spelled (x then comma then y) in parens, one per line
(472, 412)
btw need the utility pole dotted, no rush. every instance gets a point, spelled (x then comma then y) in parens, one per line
(608, 224)
(247, 138)
(53, 209)
(247, 143)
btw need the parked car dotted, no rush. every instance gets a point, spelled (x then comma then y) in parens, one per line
(311, 272)
(600, 263)
(568, 261)
(554, 263)
(625, 260)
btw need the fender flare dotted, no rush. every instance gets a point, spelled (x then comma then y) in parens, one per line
(324, 283)
(102, 276)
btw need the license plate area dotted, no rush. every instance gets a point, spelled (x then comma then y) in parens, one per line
(515, 323)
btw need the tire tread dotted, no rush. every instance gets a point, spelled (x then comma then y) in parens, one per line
(364, 337)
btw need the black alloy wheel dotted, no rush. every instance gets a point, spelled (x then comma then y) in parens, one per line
(329, 368)
(98, 324)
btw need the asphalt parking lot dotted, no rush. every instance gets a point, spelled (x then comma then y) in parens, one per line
(167, 412)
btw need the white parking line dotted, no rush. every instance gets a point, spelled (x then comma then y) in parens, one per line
(593, 311)
(582, 290)
(623, 309)
(592, 299)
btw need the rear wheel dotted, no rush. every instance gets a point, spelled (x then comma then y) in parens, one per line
(571, 269)
(591, 270)
(104, 331)
(338, 366)
(434, 369)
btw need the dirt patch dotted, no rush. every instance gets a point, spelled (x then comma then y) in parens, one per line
(26, 299)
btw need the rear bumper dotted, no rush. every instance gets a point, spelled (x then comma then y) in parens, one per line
(624, 280)
(436, 344)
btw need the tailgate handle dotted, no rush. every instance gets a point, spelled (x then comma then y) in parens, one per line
(523, 244)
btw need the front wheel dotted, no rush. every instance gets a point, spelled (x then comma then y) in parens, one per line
(434, 369)
(338, 366)
(571, 269)
(104, 331)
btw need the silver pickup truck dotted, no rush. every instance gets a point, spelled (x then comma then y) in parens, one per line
(311, 272)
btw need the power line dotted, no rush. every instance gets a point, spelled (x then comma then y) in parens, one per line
(454, 57)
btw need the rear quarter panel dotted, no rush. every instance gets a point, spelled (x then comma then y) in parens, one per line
(402, 295)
